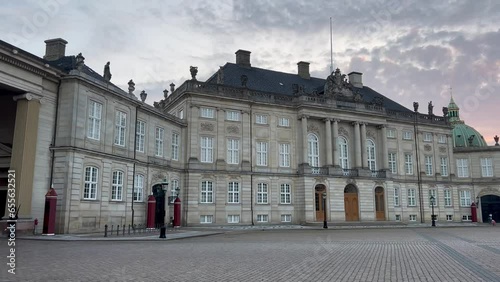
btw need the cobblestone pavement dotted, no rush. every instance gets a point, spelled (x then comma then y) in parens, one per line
(410, 254)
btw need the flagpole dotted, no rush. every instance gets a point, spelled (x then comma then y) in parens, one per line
(331, 47)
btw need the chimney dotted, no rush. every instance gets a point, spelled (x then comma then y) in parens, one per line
(243, 58)
(355, 78)
(55, 49)
(303, 69)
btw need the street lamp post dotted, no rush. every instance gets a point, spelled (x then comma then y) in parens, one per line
(433, 200)
(325, 224)
(163, 228)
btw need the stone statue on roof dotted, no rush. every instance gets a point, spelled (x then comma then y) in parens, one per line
(107, 72)
(430, 107)
(337, 85)
(194, 72)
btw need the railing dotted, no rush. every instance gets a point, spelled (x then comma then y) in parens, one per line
(350, 172)
(319, 170)
(378, 173)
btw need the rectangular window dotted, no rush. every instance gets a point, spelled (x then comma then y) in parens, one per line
(391, 133)
(207, 113)
(433, 193)
(407, 135)
(94, 125)
(233, 115)
(120, 126)
(447, 197)
(286, 218)
(442, 139)
(206, 219)
(428, 166)
(285, 194)
(465, 200)
(412, 200)
(117, 186)
(463, 167)
(175, 146)
(207, 192)
(449, 217)
(90, 186)
(393, 165)
(140, 136)
(262, 153)
(233, 151)
(466, 218)
(233, 193)
(444, 166)
(285, 122)
(261, 119)
(486, 167)
(413, 217)
(174, 189)
(262, 193)
(396, 197)
(262, 218)
(427, 137)
(284, 155)
(398, 217)
(234, 218)
(207, 147)
(159, 133)
(408, 163)
(139, 188)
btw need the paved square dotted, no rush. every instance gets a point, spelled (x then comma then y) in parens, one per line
(392, 254)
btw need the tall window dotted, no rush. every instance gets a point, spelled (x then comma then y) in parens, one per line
(233, 151)
(447, 197)
(428, 166)
(391, 133)
(313, 150)
(412, 201)
(90, 187)
(120, 126)
(261, 119)
(159, 133)
(207, 192)
(285, 194)
(117, 187)
(285, 122)
(94, 125)
(465, 200)
(433, 193)
(396, 197)
(207, 113)
(343, 152)
(207, 147)
(486, 167)
(139, 188)
(407, 135)
(233, 115)
(444, 166)
(262, 193)
(370, 153)
(284, 155)
(427, 137)
(408, 163)
(262, 153)
(175, 146)
(233, 193)
(463, 167)
(393, 166)
(174, 189)
(140, 136)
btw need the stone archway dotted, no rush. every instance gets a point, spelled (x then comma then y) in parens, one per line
(490, 204)
(380, 203)
(351, 206)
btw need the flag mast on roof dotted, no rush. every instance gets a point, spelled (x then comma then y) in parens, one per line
(331, 47)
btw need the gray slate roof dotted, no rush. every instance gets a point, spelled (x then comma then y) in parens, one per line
(282, 83)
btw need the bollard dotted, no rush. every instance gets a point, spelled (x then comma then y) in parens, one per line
(163, 229)
(129, 229)
(123, 233)
(118, 230)
(106, 230)
(111, 233)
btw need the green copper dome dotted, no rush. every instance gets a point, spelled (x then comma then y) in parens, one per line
(463, 135)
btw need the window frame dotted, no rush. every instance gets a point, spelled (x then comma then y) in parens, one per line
(94, 120)
(117, 179)
(262, 193)
(285, 194)
(159, 141)
(396, 195)
(371, 154)
(313, 150)
(207, 112)
(233, 192)
(175, 146)
(206, 192)
(343, 147)
(284, 122)
(409, 164)
(486, 167)
(91, 183)
(463, 168)
(448, 197)
(120, 128)
(140, 137)
(412, 197)
(262, 149)
(444, 166)
(465, 198)
(261, 119)
(284, 154)
(207, 149)
(429, 171)
(233, 151)
(232, 115)
(393, 163)
(138, 188)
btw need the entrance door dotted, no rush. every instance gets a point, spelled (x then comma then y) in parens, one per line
(351, 203)
(160, 205)
(320, 203)
(490, 204)
(379, 203)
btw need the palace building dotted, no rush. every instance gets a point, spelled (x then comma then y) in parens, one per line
(247, 146)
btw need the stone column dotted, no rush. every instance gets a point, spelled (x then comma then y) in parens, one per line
(364, 152)
(221, 137)
(328, 141)
(335, 142)
(304, 140)
(194, 137)
(24, 149)
(385, 154)
(357, 145)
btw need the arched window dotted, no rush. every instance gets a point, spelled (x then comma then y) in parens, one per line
(313, 150)
(370, 152)
(343, 152)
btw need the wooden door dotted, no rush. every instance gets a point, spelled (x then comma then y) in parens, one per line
(351, 206)
(379, 203)
(320, 205)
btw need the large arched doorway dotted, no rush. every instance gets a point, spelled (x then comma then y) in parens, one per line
(320, 202)
(160, 205)
(379, 203)
(351, 203)
(490, 204)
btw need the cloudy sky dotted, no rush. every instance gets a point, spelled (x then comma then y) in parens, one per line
(408, 50)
